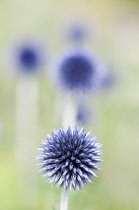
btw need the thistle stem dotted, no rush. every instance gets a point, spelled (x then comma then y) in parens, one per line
(26, 133)
(64, 200)
(68, 119)
(69, 113)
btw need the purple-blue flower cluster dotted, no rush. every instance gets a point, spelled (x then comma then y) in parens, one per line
(107, 81)
(77, 32)
(76, 70)
(28, 56)
(83, 114)
(68, 158)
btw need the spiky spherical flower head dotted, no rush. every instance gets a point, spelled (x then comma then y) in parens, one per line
(76, 70)
(68, 158)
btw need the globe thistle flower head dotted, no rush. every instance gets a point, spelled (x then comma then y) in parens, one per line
(82, 115)
(68, 158)
(77, 32)
(76, 70)
(27, 57)
(107, 81)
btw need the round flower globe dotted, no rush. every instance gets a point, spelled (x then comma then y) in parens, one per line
(83, 114)
(76, 70)
(68, 158)
(77, 32)
(27, 56)
(107, 81)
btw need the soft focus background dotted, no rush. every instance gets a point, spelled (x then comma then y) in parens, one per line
(115, 38)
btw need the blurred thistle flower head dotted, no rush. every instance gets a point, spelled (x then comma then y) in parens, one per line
(27, 56)
(76, 70)
(77, 32)
(68, 158)
(83, 114)
(107, 81)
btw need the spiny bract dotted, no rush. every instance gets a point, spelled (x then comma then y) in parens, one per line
(68, 158)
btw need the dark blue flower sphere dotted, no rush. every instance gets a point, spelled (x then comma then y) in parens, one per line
(28, 56)
(68, 158)
(76, 70)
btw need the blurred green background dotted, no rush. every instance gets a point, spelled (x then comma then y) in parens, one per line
(115, 38)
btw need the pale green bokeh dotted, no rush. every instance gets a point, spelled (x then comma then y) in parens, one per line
(116, 39)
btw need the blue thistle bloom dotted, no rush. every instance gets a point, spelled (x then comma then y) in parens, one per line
(68, 158)
(28, 57)
(77, 32)
(107, 81)
(76, 70)
(82, 115)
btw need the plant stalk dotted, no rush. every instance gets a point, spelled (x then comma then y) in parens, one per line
(64, 200)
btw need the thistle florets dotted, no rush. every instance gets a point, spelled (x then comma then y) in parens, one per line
(68, 158)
